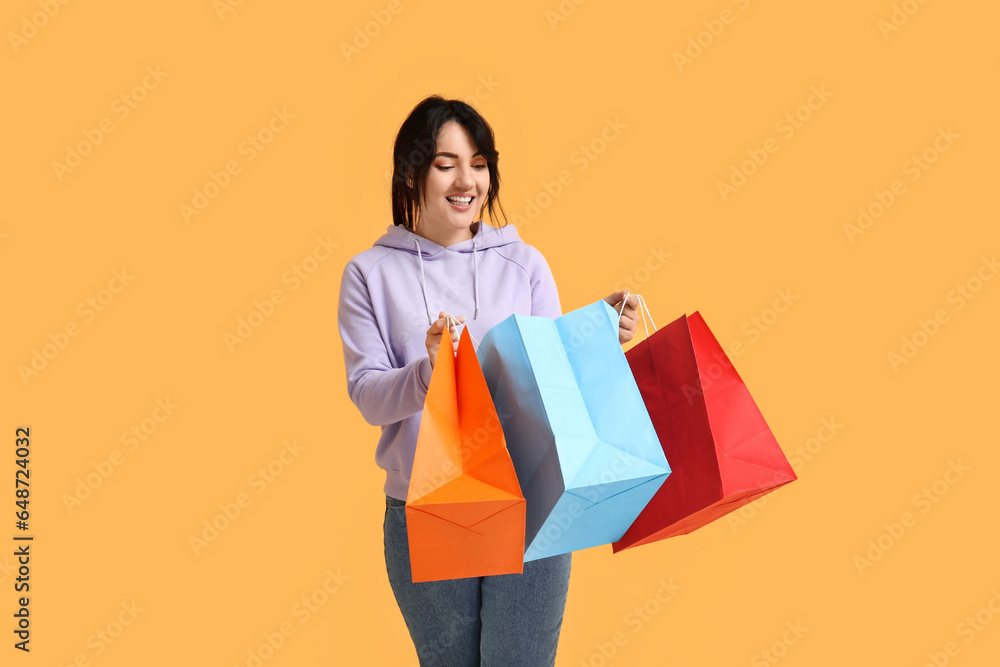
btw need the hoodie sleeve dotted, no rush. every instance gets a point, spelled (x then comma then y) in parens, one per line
(383, 394)
(544, 295)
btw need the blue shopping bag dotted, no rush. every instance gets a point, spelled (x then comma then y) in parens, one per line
(583, 446)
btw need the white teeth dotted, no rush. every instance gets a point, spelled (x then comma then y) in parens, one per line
(461, 201)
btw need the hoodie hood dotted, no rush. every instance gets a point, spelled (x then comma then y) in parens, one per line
(424, 249)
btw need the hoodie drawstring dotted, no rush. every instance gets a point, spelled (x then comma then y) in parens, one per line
(423, 286)
(475, 279)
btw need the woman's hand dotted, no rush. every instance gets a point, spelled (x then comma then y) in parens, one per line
(630, 318)
(434, 335)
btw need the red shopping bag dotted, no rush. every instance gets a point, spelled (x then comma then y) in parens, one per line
(721, 451)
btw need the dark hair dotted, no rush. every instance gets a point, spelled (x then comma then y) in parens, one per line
(413, 155)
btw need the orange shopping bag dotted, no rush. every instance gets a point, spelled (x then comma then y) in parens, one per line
(464, 508)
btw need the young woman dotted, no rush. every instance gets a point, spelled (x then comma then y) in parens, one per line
(440, 257)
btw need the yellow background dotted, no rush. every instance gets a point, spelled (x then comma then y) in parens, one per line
(653, 190)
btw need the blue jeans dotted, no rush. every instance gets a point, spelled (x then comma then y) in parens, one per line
(509, 620)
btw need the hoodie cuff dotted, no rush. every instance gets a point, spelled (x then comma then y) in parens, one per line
(425, 371)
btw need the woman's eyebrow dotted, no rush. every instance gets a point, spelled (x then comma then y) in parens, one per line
(452, 155)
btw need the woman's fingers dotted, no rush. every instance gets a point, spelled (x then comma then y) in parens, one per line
(632, 305)
(629, 310)
(437, 328)
(615, 298)
(452, 323)
(442, 323)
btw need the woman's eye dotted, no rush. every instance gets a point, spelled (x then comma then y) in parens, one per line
(446, 167)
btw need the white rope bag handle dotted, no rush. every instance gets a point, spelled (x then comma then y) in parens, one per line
(643, 311)
(452, 319)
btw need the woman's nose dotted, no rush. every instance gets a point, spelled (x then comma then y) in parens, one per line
(463, 178)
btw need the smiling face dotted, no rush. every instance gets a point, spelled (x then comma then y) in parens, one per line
(455, 190)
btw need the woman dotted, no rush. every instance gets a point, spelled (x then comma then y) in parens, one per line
(439, 256)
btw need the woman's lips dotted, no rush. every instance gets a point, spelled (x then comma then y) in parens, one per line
(461, 203)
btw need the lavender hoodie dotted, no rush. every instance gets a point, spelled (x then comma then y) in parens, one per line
(392, 292)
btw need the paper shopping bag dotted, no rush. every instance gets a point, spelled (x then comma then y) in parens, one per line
(583, 446)
(464, 508)
(722, 452)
